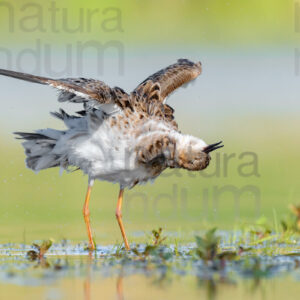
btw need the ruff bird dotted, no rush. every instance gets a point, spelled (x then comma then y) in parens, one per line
(118, 137)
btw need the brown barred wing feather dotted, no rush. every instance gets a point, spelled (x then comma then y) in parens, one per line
(152, 92)
(74, 89)
(167, 80)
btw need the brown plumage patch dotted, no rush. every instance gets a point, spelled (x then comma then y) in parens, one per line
(149, 96)
(172, 77)
(113, 121)
(193, 161)
(157, 152)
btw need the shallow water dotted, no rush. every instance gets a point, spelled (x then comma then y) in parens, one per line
(70, 272)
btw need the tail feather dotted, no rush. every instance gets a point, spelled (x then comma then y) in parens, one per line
(38, 148)
(30, 136)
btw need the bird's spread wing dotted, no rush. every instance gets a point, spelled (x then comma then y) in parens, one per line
(75, 89)
(150, 95)
(164, 82)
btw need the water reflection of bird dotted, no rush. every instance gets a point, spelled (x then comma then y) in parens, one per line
(119, 137)
(87, 281)
(119, 286)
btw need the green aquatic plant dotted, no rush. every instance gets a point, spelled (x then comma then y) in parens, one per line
(39, 254)
(261, 229)
(207, 246)
(176, 248)
(155, 249)
(158, 239)
(40, 250)
(292, 222)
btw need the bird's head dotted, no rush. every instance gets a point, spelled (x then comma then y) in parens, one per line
(193, 153)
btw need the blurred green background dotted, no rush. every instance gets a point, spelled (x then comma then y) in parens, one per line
(247, 96)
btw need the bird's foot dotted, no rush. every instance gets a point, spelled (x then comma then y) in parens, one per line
(90, 247)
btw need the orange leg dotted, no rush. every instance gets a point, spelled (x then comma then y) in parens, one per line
(119, 218)
(86, 215)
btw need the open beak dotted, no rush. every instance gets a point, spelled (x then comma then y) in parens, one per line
(213, 147)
